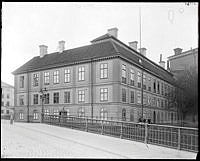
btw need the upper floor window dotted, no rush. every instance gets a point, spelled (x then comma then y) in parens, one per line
(162, 89)
(46, 78)
(149, 87)
(21, 81)
(138, 97)
(81, 112)
(7, 103)
(103, 114)
(158, 87)
(104, 70)
(56, 77)
(165, 90)
(21, 100)
(81, 96)
(123, 114)
(144, 82)
(21, 115)
(67, 97)
(123, 73)
(154, 86)
(139, 79)
(56, 97)
(35, 79)
(104, 94)
(35, 99)
(81, 73)
(132, 97)
(8, 96)
(145, 99)
(46, 100)
(123, 95)
(67, 75)
(149, 100)
(132, 77)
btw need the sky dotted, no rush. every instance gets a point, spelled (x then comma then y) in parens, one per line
(26, 25)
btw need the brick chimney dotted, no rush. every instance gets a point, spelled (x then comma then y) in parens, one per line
(143, 51)
(113, 32)
(61, 46)
(43, 50)
(162, 63)
(133, 45)
(177, 51)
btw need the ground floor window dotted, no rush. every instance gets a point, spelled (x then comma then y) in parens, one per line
(103, 114)
(123, 114)
(35, 115)
(21, 116)
(46, 112)
(81, 112)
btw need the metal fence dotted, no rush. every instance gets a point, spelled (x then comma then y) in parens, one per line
(181, 138)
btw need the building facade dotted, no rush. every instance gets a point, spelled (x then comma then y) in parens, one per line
(102, 80)
(7, 98)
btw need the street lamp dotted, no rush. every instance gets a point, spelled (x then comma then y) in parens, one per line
(42, 97)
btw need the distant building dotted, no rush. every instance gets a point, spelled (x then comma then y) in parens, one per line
(101, 80)
(7, 98)
(181, 61)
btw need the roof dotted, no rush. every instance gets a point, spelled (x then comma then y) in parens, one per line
(3, 84)
(185, 53)
(110, 47)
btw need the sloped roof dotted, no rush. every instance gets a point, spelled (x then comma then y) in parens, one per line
(3, 84)
(98, 49)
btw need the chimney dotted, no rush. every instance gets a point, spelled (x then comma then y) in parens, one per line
(113, 32)
(143, 51)
(61, 46)
(177, 51)
(133, 45)
(162, 63)
(43, 50)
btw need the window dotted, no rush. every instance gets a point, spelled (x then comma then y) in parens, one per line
(67, 75)
(7, 103)
(139, 79)
(144, 82)
(103, 70)
(55, 112)
(132, 77)
(149, 100)
(81, 112)
(46, 111)
(158, 102)
(81, 73)
(46, 98)
(138, 97)
(8, 96)
(162, 88)
(123, 95)
(162, 103)
(21, 116)
(21, 100)
(132, 97)
(104, 94)
(35, 99)
(145, 99)
(149, 87)
(35, 79)
(21, 81)
(56, 97)
(81, 96)
(158, 87)
(103, 114)
(67, 97)
(123, 114)
(35, 115)
(123, 73)
(154, 86)
(56, 77)
(7, 111)
(46, 78)
(165, 90)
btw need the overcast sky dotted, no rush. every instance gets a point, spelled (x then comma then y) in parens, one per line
(25, 26)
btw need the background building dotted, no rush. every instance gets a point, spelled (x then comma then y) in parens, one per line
(101, 80)
(7, 98)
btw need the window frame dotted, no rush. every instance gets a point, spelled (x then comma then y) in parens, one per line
(81, 73)
(103, 94)
(67, 74)
(56, 77)
(46, 78)
(35, 79)
(81, 96)
(56, 98)
(104, 71)
(67, 97)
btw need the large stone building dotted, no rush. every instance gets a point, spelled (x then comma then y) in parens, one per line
(7, 98)
(101, 80)
(181, 61)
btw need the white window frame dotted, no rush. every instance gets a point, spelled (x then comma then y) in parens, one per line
(103, 70)
(103, 94)
(67, 74)
(21, 81)
(81, 95)
(139, 98)
(54, 97)
(81, 73)
(46, 78)
(35, 99)
(67, 96)
(35, 79)
(56, 77)
(21, 115)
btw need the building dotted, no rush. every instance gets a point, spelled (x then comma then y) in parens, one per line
(7, 99)
(101, 80)
(181, 61)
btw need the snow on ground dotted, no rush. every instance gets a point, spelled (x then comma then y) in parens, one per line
(35, 140)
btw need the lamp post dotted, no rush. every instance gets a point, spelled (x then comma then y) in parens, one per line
(42, 97)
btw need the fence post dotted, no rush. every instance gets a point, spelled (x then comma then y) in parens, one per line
(102, 127)
(179, 138)
(146, 133)
(86, 124)
(121, 131)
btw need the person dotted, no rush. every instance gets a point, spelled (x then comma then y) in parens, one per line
(11, 118)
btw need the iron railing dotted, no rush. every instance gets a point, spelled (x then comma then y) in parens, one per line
(181, 138)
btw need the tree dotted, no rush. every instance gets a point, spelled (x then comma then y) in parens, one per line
(185, 95)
